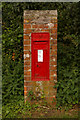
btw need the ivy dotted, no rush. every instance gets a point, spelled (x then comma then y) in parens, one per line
(68, 50)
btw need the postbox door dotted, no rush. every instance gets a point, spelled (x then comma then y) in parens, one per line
(40, 56)
(40, 62)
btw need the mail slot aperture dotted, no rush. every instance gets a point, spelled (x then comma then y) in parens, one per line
(40, 56)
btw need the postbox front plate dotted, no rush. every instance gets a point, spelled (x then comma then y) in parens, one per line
(40, 56)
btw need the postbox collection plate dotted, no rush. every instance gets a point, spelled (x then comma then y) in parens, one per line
(40, 56)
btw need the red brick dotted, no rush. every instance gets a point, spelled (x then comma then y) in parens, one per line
(52, 83)
(26, 68)
(40, 26)
(25, 93)
(27, 52)
(27, 26)
(54, 57)
(53, 42)
(53, 62)
(45, 30)
(51, 101)
(53, 52)
(27, 58)
(53, 31)
(53, 47)
(26, 62)
(26, 47)
(27, 42)
(36, 26)
(52, 78)
(27, 83)
(54, 36)
(26, 37)
(25, 88)
(53, 72)
(54, 20)
(27, 78)
(27, 20)
(55, 25)
(27, 31)
(26, 72)
(53, 68)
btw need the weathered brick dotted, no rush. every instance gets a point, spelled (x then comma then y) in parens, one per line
(53, 62)
(53, 52)
(53, 72)
(26, 72)
(54, 20)
(26, 37)
(25, 88)
(25, 93)
(51, 83)
(53, 68)
(28, 20)
(51, 101)
(27, 42)
(27, 83)
(27, 78)
(45, 30)
(27, 59)
(54, 58)
(53, 42)
(46, 92)
(52, 93)
(27, 52)
(53, 47)
(26, 68)
(55, 25)
(26, 62)
(54, 36)
(26, 47)
(27, 31)
(52, 78)
(53, 31)
(26, 26)
(39, 26)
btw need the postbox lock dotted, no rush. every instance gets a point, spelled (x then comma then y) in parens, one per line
(37, 65)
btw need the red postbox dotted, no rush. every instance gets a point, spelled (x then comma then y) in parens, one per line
(40, 56)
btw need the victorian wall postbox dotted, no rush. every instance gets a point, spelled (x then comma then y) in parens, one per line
(40, 56)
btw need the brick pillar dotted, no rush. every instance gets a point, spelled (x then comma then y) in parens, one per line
(40, 21)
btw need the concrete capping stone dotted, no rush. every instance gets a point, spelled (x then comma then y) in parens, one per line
(40, 12)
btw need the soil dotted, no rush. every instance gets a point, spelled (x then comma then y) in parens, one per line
(47, 111)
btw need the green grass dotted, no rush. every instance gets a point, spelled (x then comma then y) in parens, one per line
(18, 109)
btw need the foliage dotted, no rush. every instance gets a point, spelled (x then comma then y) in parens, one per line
(68, 43)
(16, 109)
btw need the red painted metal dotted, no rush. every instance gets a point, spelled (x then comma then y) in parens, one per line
(40, 66)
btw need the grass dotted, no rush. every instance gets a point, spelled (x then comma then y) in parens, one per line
(17, 109)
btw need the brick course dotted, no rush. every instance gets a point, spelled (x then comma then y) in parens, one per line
(40, 21)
